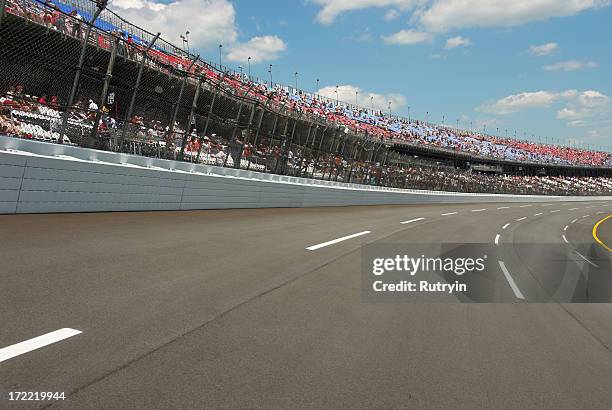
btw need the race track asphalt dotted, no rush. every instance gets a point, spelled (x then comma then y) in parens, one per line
(228, 309)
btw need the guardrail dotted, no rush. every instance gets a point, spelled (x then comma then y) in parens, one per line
(42, 178)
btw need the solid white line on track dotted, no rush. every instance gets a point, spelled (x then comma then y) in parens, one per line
(413, 220)
(515, 289)
(588, 261)
(450, 213)
(478, 210)
(335, 241)
(564, 238)
(497, 239)
(506, 226)
(36, 343)
(521, 219)
(539, 214)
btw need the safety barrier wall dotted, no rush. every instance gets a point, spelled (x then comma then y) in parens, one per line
(38, 177)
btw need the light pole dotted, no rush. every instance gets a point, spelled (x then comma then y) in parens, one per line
(337, 100)
(357, 99)
(443, 120)
(249, 65)
(241, 71)
(408, 113)
(372, 103)
(389, 109)
(270, 71)
(427, 117)
(220, 47)
(296, 85)
(318, 96)
(457, 124)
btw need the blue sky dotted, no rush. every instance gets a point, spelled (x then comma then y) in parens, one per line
(397, 50)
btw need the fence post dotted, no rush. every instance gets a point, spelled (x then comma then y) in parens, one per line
(130, 111)
(178, 101)
(194, 105)
(2, 8)
(275, 123)
(281, 147)
(212, 104)
(77, 77)
(263, 111)
(288, 150)
(102, 102)
(233, 137)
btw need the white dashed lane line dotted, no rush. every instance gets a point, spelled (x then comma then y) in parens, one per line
(521, 219)
(539, 214)
(506, 226)
(450, 213)
(565, 229)
(525, 206)
(503, 207)
(478, 210)
(555, 211)
(575, 220)
(573, 209)
(497, 238)
(586, 216)
(413, 221)
(586, 260)
(511, 282)
(36, 343)
(335, 241)
(564, 238)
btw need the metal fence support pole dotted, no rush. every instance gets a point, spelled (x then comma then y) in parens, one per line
(178, 100)
(278, 160)
(285, 163)
(2, 8)
(263, 111)
(194, 105)
(102, 102)
(248, 136)
(130, 111)
(77, 76)
(210, 110)
(276, 123)
(233, 137)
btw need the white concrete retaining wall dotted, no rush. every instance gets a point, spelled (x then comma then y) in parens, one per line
(38, 177)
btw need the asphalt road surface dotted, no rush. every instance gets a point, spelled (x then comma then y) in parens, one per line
(229, 309)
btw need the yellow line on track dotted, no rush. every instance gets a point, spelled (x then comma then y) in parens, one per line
(595, 228)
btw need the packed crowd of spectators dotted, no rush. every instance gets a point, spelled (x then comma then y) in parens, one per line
(39, 117)
(69, 20)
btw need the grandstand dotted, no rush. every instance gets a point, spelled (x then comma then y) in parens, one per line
(140, 94)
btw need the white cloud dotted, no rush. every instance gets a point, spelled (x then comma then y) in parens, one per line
(405, 37)
(391, 14)
(209, 22)
(260, 49)
(570, 65)
(587, 104)
(459, 41)
(346, 93)
(518, 102)
(447, 15)
(330, 9)
(544, 49)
